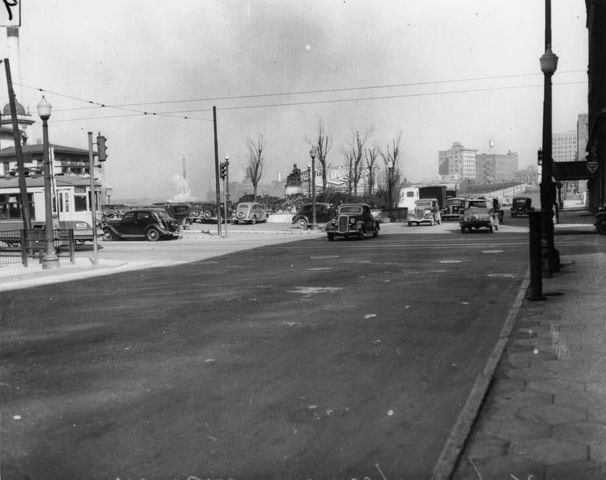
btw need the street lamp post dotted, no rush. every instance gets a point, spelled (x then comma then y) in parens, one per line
(390, 186)
(313, 153)
(309, 180)
(50, 259)
(549, 64)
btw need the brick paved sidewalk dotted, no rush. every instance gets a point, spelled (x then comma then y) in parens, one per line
(544, 417)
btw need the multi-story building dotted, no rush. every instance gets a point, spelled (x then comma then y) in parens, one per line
(564, 146)
(458, 160)
(496, 167)
(582, 136)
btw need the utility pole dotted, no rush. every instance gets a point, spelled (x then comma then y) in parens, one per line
(25, 214)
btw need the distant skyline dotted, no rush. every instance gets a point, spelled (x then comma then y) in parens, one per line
(438, 72)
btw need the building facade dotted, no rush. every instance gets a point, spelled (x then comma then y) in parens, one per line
(564, 146)
(496, 167)
(458, 160)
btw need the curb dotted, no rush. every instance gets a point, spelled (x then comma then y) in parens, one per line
(449, 457)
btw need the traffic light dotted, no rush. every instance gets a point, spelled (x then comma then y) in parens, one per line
(540, 157)
(101, 148)
(223, 169)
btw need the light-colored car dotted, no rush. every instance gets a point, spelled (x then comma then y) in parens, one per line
(427, 210)
(479, 213)
(250, 212)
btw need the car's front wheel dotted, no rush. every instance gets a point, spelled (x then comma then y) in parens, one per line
(253, 220)
(302, 223)
(152, 235)
(107, 235)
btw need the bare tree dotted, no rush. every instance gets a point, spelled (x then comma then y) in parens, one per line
(391, 158)
(323, 143)
(371, 155)
(256, 161)
(354, 153)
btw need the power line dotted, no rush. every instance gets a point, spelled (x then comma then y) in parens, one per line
(178, 114)
(341, 100)
(311, 92)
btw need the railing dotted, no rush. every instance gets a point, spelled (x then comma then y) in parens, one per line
(14, 248)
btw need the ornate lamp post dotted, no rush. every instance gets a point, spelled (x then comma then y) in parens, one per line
(49, 260)
(309, 180)
(549, 64)
(313, 153)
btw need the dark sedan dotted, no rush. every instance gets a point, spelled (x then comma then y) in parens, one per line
(353, 220)
(142, 224)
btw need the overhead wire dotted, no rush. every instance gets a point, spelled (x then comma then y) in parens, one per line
(178, 113)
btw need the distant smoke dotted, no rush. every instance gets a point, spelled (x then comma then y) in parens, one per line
(183, 189)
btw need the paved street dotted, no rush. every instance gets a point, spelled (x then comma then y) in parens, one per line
(299, 360)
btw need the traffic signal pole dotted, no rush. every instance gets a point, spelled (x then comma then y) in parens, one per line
(93, 198)
(217, 173)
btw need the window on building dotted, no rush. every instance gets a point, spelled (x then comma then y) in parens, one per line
(80, 199)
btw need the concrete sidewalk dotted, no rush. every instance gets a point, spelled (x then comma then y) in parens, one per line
(544, 416)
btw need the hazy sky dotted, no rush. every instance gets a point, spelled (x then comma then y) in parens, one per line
(437, 71)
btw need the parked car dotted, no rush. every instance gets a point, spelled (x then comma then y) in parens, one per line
(427, 210)
(353, 220)
(303, 217)
(145, 223)
(479, 213)
(179, 211)
(521, 206)
(208, 214)
(250, 212)
(453, 209)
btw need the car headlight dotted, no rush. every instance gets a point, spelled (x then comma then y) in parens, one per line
(352, 221)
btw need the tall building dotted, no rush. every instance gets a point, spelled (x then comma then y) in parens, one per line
(564, 146)
(458, 160)
(496, 167)
(582, 136)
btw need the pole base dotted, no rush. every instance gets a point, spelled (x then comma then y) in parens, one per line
(536, 298)
(50, 262)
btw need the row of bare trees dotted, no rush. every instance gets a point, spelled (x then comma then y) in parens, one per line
(361, 160)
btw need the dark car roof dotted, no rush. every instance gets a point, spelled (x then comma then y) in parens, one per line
(144, 209)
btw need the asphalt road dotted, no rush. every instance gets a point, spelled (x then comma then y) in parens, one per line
(299, 360)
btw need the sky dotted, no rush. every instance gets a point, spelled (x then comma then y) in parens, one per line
(432, 71)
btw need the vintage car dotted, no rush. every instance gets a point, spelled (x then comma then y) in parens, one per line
(479, 213)
(427, 210)
(303, 217)
(353, 220)
(145, 223)
(250, 212)
(208, 214)
(521, 206)
(453, 209)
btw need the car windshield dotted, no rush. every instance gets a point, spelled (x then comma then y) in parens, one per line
(350, 209)
(455, 202)
(423, 203)
(478, 203)
(520, 201)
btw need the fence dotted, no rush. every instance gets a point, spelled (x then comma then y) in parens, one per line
(15, 249)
